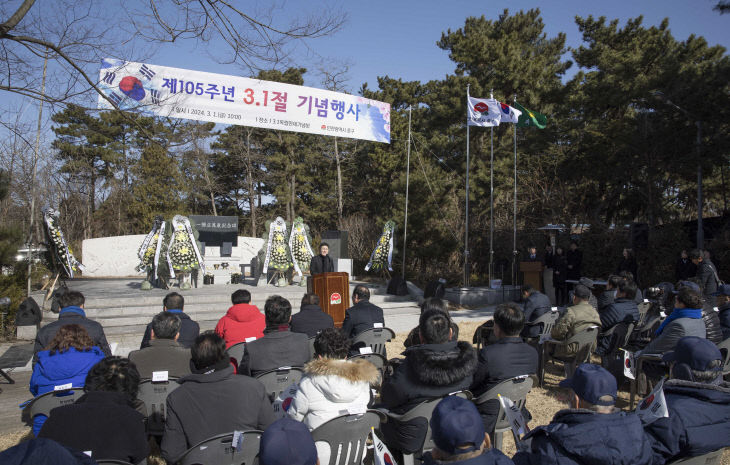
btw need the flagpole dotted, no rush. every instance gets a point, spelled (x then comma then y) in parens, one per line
(466, 227)
(408, 171)
(514, 214)
(491, 198)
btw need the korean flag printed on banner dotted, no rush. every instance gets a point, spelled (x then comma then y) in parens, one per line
(381, 454)
(483, 112)
(629, 364)
(509, 114)
(514, 415)
(654, 406)
(283, 401)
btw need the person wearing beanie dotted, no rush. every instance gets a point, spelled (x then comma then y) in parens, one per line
(287, 442)
(592, 430)
(458, 433)
(698, 402)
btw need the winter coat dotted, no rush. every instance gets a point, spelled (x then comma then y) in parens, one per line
(579, 436)
(488, 457)
(713, 327)
(698, 421)
(70, 316)
(310, 320)
(560, 270)
(575, 319)
(706, 273)
(673, 332)
(506, 358)
(43, 451)
(605, 299)
(724, 313)
(575, 260)
(162, 355)
(209, 404)
(685, 269)
(321, 264)
(102, 422)
(189, 330)
(536, 305)
(330, 387)
(69, 367)
(278, 348)
(242, 321)
(621, 310)
(361, 317)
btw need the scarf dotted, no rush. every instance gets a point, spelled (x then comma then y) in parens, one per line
(73, 309)
(218, 366)
(677, 313)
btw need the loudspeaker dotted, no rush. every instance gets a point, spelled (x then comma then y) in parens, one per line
(337, 241)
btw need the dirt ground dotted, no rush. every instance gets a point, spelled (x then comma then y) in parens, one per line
(542, 403)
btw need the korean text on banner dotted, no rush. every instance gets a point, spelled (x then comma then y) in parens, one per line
(484, 112)
(218, 98)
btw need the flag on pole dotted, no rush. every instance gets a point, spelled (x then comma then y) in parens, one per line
(629, 364)
(530, 118)
(381, 454)
(654, 406)
(483, 112)
(509, 114)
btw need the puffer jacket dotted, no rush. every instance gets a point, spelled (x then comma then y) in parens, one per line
(579, 436)
(698, 421)
(576, 319)
(241, 322)
(725, 320)
(713, 328)
(330, 388)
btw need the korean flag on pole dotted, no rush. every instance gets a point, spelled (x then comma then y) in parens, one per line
(483, 112)
(509, 114)
(381, 453)
(629, 364)
(654, 406)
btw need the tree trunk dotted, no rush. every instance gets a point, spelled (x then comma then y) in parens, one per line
(251, 189)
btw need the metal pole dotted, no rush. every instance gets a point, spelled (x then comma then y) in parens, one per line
(514, 212)
(700, 230)
(466, 226)
(491, 198)
(408, 172)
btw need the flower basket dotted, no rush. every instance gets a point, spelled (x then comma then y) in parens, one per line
(208, 279)
(236, 278)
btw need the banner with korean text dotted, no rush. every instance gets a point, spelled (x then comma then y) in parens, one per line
(219, 98)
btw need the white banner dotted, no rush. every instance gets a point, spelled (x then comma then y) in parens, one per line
(483, 111)
(183, 93)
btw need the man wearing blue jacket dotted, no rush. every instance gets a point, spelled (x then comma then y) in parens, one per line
(592, 431)
(698, 403)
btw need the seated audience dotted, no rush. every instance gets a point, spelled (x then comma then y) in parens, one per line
(242, 321)
(698, 403)
(212, 400)
(592, 430)
(72, 313)
(288, 442)
(164, 353)
(587, 282)
(67, 360)
(711, 318)
(628, 276)
(431, 303)
(536, 305)
(723, 307)
(459, 436)
(103, 420)
(279, 347)
(362, 315)
(311, 319)
(578, 317)
(42, 451)
(608, 296)
(508, 357)
(189, 329)
(685, 320)
(435, 368)
(623, 309)
(332, 385)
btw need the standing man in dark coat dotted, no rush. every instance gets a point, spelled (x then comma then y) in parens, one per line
(362, 315)
(684, 268)
(72, 313)
(536, 305)
(189, 329)
(279, 347)
(574, 258)
(311, 319)
(322, 263)
(706, 272)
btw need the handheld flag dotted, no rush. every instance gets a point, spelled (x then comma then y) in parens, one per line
(654, 406)
(381, 454)
(509, 114)
(629, 364)
(530, 118)
(283, 401)
(514, 415)
(483, 112)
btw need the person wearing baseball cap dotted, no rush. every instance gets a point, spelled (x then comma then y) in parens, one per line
(578, 317)
(723, 308)
(458, 433)
(592, 430)
(287, 442)
(698, 402)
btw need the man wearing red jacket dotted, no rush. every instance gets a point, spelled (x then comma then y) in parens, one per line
(242, 321)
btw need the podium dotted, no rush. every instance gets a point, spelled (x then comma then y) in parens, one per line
(333, 290)
(532, 272)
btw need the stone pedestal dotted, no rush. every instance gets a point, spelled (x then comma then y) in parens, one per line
(27, 333)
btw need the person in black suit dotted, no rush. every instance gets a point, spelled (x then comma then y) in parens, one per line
(684, 269)
(311, 319)
(362, 315)
(189, 329)
(279, 347)
(532, 254)
(574, 257)
(505, 359)
(536, 305)
(322, 263)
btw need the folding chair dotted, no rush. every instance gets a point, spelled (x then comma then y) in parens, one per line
(640, 370)
(376, 359)
(515, 389)
(43, 404)
(279, 379)
(423, 410)
(586, 341)
(711, 458)
(375, 338)
(154, 396)
(613, 360)
(219, 450)
(547, 320)
(347, 436)
(236, 352)
(311, 346)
